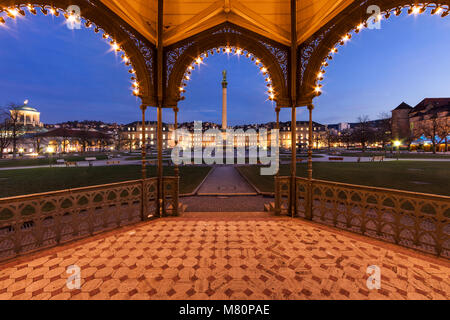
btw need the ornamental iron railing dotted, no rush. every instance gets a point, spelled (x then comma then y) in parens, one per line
(413, 220)
(34, 222)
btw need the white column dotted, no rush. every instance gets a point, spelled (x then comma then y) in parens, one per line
(224, 104)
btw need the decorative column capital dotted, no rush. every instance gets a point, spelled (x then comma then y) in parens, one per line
(310, 107)
(143, 107)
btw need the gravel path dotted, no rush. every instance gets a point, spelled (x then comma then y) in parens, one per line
(225, 180)
(225, 203)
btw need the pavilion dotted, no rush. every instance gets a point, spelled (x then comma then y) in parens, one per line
(292, 42)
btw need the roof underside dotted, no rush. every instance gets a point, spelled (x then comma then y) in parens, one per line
(184, 18)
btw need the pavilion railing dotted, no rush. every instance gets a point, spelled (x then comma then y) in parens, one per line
(171, 195)
(33, 222)
(282, 194)
(414, 220)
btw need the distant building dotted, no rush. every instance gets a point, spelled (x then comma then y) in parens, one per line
(131, 134)
(400, 122)
(406, 120)
(319, 130)
(343, 126)
(28, 116)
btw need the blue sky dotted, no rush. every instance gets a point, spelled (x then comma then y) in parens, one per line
(71, 75)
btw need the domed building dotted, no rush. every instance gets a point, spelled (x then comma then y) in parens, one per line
(28, 116)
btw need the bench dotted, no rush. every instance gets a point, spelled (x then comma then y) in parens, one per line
(71, 164)
(378, 158)
(91, 160)
(108, 163)
(60, 161)
(336, 159)
(300, 160)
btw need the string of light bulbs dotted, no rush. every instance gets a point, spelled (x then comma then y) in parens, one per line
(229, 50)
(412, 9)
(71, 17)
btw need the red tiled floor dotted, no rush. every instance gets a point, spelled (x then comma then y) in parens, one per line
(276, 258)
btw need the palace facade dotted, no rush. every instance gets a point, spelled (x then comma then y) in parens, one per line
(430, 115)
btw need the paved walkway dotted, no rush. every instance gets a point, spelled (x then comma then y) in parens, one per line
(225, 180)
(225, 203)
(196, 258)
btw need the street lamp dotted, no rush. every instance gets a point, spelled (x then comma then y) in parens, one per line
(397, 143)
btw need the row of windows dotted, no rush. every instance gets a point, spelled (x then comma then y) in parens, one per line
(147, 129)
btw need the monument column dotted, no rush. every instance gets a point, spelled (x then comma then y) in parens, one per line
(224, 100)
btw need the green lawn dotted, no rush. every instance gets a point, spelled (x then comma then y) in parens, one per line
(417, 176)
(10, 163)
(29, 181)
(419, 155)
(26, 162)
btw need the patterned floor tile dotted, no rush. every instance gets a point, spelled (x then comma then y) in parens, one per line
(197, 258)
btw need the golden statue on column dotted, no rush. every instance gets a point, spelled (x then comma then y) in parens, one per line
(224, 100)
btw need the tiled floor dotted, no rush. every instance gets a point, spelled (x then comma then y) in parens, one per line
(200, 258)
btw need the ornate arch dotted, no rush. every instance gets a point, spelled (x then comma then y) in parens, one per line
(315, 53)
(138, 53)
(272, 57)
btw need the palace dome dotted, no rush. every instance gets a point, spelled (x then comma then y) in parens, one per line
(26, 107)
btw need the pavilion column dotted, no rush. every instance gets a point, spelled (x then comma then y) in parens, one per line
(160, 93)
(293, 201)
(144, 165)
(144, 144)
(175, 138)
(160, 162)
(277, 110)
(293, 89)
(310, 143)
(309, 194)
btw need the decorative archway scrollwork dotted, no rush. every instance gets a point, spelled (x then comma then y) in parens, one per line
(272, 57)
(314, 54)
(139, 53)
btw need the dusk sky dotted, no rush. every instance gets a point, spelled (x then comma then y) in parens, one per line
(71, 75)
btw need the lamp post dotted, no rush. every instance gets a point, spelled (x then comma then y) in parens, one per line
(397, 143)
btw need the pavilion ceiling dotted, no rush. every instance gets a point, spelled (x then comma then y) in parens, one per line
(184, 18)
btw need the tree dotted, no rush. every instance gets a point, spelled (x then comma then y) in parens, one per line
(330, 137)
(346, 137)
(383, 132)
(84, 139)
(5, 136)
(37, 141)
(118, 140)
(363, 133)
(130, 143)
(436, 129)
(443, 131)
(15, 126)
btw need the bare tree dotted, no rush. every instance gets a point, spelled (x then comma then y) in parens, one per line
(15, 126)
(118, 140)
(84, 139)
(383, 132)
(435, 128)
(329, 138)
(37, 142)
(346, 137)
(5, 135)
(443, 131)
(363, 133)
(130, 143)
